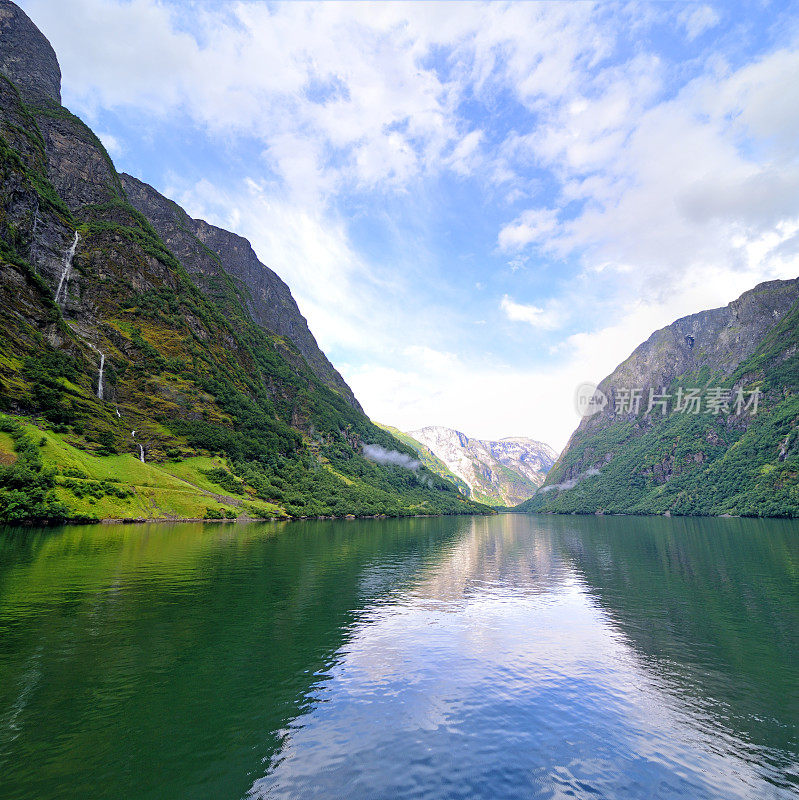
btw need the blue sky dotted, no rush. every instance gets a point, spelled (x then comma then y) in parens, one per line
(477, 206)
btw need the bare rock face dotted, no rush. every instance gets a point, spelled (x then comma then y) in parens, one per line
(65, 179)
(78, 165)
(530, 458)
(27, 58)
(718, 339)
(208, 252)
(504, 472)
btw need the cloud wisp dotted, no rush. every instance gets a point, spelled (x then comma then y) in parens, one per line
(378, 454)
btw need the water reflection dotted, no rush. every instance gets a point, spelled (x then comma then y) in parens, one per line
(502, 673)
(503, 657)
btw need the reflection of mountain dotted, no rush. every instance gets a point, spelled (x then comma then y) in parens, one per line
(497, 552)
(180, 661)
(201, 642)
(711, 606)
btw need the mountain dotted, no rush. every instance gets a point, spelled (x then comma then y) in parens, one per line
(731, 443)
(150, 365)
(501, 473)
(429, 458)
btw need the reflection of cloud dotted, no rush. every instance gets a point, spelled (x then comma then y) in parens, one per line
(468, 654)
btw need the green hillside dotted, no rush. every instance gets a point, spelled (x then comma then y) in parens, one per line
(230, 417)
(702, 464)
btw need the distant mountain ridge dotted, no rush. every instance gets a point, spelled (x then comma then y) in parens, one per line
(724, 461)
(428, 458)
(499, 473)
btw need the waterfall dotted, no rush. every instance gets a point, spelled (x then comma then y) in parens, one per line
(141, 448)
(100, 376)
(61, 296)
(102, 367)
(118, 414)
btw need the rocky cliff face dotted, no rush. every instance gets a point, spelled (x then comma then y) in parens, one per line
(505, 472)
(700, 457)
(208, 252)
(716, 341)
(82, 174)
(27, 58)
(525, 456)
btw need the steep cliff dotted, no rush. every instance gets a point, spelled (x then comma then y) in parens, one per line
(156, 382)
(500, 473)
(208, 253)
(702, 418)
(27, 58)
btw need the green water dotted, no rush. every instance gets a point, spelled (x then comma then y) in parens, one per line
(505, 657)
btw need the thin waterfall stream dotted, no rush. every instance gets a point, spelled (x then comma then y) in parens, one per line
(101, 369)
(61, 291)
(141, 447)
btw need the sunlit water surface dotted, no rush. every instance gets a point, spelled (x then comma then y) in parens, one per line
(505, 657)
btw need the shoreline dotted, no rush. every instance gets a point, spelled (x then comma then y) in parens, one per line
(233, 521)
(353, 518)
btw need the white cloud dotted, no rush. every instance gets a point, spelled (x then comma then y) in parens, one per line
(534, 226)
(686, 197)
(697, 20)
(547, 319)
(336, 94)
(463, 158)
(335, 289)
(111, 143)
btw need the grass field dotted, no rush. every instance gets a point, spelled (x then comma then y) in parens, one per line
(122, 487)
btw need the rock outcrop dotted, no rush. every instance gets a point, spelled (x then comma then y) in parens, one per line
(27, 58)
(717, 341)
(719, 453)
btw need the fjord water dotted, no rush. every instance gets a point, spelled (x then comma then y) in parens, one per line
(504, 657)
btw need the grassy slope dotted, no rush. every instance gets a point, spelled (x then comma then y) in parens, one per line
(172, 489)
(701, 464)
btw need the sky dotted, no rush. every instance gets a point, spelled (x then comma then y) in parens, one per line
(477, 206)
